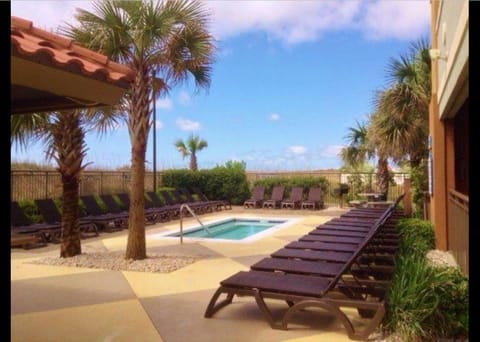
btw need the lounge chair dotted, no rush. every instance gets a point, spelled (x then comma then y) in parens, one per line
(217, 204)
(52, 215)
(152, 215)
(109, 222)
(25, 233)
(295, 198)
(276, 199)
(305, 276)
(314, 200)
(258, 196)
(183, 196)
(174, 202)
(172, 210)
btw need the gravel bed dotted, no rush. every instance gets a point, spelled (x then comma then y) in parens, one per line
(115, 261)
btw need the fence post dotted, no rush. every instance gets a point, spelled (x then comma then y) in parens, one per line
(407, 199)
(46, 184)
(101, 183)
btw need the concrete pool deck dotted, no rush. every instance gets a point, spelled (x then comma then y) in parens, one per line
(56, 303)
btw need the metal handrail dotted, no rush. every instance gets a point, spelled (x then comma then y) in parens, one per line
(183, 206)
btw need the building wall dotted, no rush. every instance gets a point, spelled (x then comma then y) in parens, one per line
(448, 122)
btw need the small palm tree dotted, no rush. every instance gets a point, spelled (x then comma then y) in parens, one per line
(190, 148)
(358, 150)
(63, 134)
(168, 39)
(361, 148)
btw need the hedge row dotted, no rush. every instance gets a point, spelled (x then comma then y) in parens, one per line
(290, 182)
(218, 183)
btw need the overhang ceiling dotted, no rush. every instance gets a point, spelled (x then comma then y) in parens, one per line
(49, 72)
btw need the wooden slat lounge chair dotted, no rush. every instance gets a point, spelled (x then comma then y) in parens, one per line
(174, 202)
(256, 201)
(172, 210)
(26, 241)
(25, 234)
(276, 199)
(152, 215)
(314, 199)
(312, 278)
(108, 222)
(203, 207)
(217, 204)
(52, 215)
(295, 198)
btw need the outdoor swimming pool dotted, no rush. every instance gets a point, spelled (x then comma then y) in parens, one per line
(233, 229)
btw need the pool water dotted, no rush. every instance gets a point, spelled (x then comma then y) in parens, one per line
(232, 229)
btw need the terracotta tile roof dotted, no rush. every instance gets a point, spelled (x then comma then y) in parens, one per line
(45, 47)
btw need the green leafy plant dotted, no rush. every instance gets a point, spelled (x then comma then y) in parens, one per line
(417, 236)
(424, 302)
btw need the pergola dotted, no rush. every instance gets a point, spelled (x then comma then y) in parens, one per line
(50, 72)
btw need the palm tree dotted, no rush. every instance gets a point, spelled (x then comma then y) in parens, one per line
(190, 148)
(63, 134)
(401, 118)
(358, 151)
(362, 147)
(163, 38)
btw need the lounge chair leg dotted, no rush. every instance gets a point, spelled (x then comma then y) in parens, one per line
(266, 312)
(334, 308)
(212, 308)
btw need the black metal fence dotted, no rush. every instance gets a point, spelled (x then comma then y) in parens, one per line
(33, 184)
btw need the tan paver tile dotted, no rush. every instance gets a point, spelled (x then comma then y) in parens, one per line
(119, 321)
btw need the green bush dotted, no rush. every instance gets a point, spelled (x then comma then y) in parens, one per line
(424, 302)
(417, 236)
(410, 300)
(289, 182)
(221, 182)
(30, 210)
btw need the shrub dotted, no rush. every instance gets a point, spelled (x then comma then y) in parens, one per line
(30, 210)
(424, 302)
(417, 236)
(221, 182)
(410, 300)
(290, 182)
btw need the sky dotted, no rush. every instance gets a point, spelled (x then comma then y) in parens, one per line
(289, 79)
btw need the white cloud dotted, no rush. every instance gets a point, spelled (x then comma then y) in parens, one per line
(48, 15)
(165, 103)
(330, 151)
(280, 19)
(274, 117)
(184, 98)
(290, 22)
(188, 125)
(297, 150)
(396, 19)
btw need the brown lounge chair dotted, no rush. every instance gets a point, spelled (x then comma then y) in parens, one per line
(295, 199)
(314, 200)
(52, 215)
(277, 197)
(258, 196)
(312, 278)
(217, 204)
(25, 234)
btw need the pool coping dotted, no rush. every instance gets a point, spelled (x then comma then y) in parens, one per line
(255, 237)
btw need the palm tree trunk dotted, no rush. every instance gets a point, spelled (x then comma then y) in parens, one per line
(71, 245)
(69, 146)
(138, 126)
(383, 176)
(193, 162)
